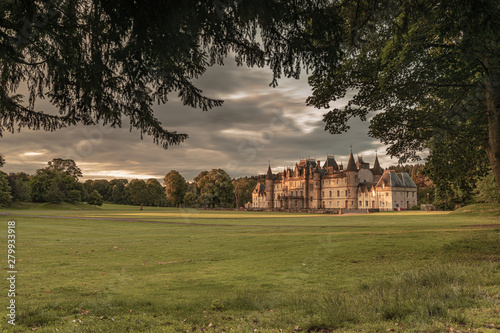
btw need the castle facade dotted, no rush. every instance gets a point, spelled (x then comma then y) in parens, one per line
(329, 186)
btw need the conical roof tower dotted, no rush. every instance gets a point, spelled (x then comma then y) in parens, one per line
(269, 175)
(351, 166)
(377, 170)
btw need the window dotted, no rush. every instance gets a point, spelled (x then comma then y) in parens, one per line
(337, 181)
(323, 194)
(338, 204)
(366, 203)
(330, 194)
(311, 199)
(300, 193)
(360, 203)
(386, 194)
(346, 193)
(338, 193)
(413, 194)
(329, 182)
(330, 204)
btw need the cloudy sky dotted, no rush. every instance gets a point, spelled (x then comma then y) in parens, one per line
(256, 124)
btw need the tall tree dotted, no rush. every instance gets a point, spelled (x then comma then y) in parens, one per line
(5, 189)
(67, 166)
(5, 197)
(243, 188)
(54, 182)
(101, 61)
(423, 67)
(156, 193)
(119, 193)
(216, 189)
(19, 184)
(138, 192)
(175, 187)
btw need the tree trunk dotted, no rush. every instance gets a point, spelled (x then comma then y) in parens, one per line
(493, 109)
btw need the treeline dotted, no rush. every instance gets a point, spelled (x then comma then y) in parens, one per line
(59, 181)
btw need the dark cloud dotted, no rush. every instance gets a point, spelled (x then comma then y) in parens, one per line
(255, 125)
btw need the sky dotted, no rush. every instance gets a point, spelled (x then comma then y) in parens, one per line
(256, 125)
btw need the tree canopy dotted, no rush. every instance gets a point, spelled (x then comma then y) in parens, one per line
(98, 61)
(420, 68)
(423, 70)
(175, 187)
(214, 189)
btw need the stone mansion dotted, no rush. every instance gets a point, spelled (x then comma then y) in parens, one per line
(329, 186)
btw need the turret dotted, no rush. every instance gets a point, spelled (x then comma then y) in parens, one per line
(351, 173)
(269, 188)
(317, 187)
(377, 170)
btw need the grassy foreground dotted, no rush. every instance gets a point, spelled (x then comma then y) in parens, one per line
(118, 269)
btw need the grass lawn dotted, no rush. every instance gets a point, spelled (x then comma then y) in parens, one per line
(118, 269)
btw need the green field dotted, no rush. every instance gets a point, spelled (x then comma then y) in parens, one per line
(118, 269)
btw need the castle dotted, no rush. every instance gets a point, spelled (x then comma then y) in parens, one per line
(311, 186)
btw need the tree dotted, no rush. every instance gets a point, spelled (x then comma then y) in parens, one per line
(175, 187)
(95, 199)
(52, 184)
(138, 192)
(74, 196)
(215, 189)
(486, 190)
(243, 188)
(5, 197)
(100, 61)
(19, 184)
(55, 192)
(119, 192)
(103, 186)
(427, 69)
(156, 193)
(190, 199)
(68, 167)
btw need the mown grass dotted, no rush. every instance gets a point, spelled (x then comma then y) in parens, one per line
(240, 271)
